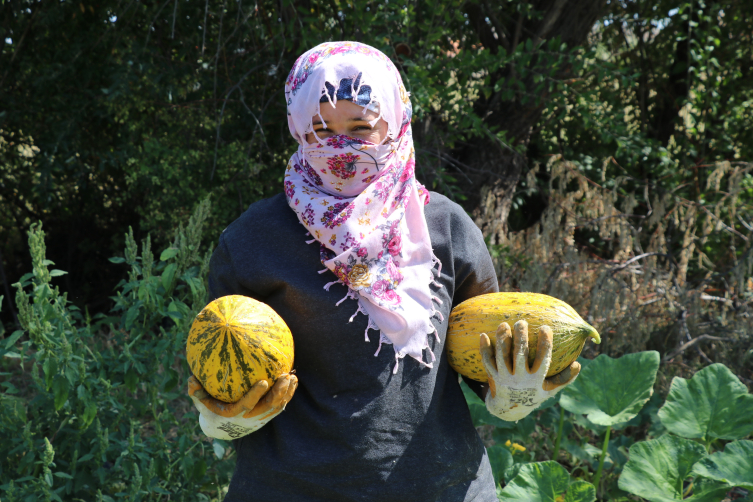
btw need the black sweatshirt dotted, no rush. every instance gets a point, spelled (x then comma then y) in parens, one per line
(353, 430)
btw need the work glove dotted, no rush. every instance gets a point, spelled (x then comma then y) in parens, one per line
(515, 390)
(257, 407)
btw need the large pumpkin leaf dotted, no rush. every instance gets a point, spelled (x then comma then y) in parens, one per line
(501, 460)
(547, 482)
(612, 391)
(733, 466)
(657, 469)
(712, 404)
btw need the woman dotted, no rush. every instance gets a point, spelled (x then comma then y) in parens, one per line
(367, 423)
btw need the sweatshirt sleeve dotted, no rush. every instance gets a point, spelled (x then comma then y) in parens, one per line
(474, 270)
(223, 279)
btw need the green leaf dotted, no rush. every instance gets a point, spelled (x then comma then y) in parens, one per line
(712, 404)
(117, 259)
(581, 451)
(733, 466)
(602, 392)
(10, 388)
(168, 253)
(170, 381)
(501, 460)
(199, 469)
(50, 368)
(547, 482)
(60, 387)
(131, 315)
(657, 469)
(219, 448)
(168, 275)
(57, 273)
(90, 412)
(131, 379)
(705, 490)
(174, 312)
(13, 338)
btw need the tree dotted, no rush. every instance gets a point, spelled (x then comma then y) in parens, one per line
(123, 113)
(534, 43)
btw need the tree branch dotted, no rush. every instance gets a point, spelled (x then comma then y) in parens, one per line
(551, 17)
(682, 348)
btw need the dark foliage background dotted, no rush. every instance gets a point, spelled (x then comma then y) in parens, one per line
(122, 113)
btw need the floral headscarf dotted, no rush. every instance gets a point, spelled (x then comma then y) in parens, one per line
(360, 201)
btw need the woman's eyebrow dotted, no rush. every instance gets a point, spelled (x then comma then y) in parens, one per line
(353, 119)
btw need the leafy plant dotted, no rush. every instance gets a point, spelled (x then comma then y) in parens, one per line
(713, 404)
(657, 470)
(603, 395)
(547, 482)
(611, 395)
(92, 406)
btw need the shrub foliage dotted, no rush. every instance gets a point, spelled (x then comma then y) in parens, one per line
(93, 407)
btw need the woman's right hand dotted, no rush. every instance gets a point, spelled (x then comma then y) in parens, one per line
(257, 407)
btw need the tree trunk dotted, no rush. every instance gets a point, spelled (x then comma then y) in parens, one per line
(493, 168)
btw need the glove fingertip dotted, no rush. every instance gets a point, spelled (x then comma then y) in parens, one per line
(484, 341)
(574, 371)
(200, 394)
(563, 378)
(487, 357)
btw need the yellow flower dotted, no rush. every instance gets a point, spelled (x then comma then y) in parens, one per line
(515, 447)
(359, 276)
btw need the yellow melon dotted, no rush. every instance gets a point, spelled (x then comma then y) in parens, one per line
(482, 314)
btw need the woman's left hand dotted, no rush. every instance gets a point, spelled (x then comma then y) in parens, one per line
(515, 390)
(234, 420)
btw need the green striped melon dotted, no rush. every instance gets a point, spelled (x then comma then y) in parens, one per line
(235, 342)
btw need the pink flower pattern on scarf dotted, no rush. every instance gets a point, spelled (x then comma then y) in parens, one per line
(361, 201)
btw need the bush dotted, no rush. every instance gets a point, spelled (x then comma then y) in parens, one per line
(645, 281)
(93, 407)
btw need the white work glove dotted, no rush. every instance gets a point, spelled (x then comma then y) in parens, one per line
(257, 407)
(514, 389)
